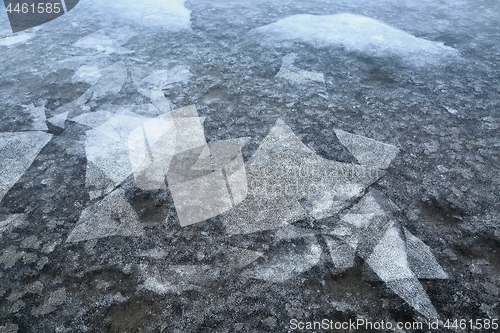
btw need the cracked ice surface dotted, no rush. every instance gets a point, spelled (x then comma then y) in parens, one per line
(356, 33)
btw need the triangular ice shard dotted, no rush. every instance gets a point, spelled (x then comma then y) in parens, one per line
(59, 120)
(17, 151)
(367, 151)
(422, 261)
(289, 72)
(112, 216)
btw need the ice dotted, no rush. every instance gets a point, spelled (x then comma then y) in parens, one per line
(93, 119)
(283, 171)
(411, 291)
(37, 115)
(170, 15)
(176, 278)
(111, 82)
(111, 216)
(422, 261)
(356, 33)
(236, 257)
(367, 151)
(107, 149)
(107, 41)
(290, 72)
(87, 73)
(59, 120)
(15, 39)
(342, 254)
(288, 262)
(10, 222)
(17, 151)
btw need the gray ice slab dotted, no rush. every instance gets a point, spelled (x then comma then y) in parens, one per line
(37, 115)
(289, 72)
(17, 151)
(59, 120)
(177, 278)
(111, 216)
(422, 261)
(356, 33)
(17, 39)
(367, 151)
(288, 263)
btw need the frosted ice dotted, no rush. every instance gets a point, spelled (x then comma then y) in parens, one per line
(368, 151)
(422, 261)
(15, 39)
(87, 73)
(37, 115)
(111, 216)
(17, 151)
(356, 33)
(59, 120)
(107, 41)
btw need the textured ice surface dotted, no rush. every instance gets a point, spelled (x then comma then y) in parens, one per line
(290, 72)
(107, 41)
(17, 151)
(368, 151)
(87, 73)
(111, 216)
(37, 116)
(287, 262)
(15, 39)
(342, 254)
(170, 15)
(176, 278)
(356, 33)
(59, 120)
(9, 222)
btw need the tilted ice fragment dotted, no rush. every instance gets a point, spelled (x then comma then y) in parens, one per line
(422, 261)
(368, 151)
(93, 119)
(287, 263)
(15, 39)
(290, 72)
(59, 120)
(9, 222)
(177, 278)
(37, 115)
(18, 150)
(87, 74)
(236, 257)
(356, 33)
(389, 259)
(112, 216)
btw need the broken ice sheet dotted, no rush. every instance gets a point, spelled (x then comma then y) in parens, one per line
(290, 72)
(10, 222)
(87, 73)
(176, 278)
(395, 255)
(286, 261)
(283, 171)
(356, 33)
(111, 216)
(16, 39)
(37, 117)
(18, 150)
(59, 120)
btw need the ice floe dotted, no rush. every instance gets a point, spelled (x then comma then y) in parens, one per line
(107, 41)
(111, 216)
(59, 120)
(356, 33)
(18, 150)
